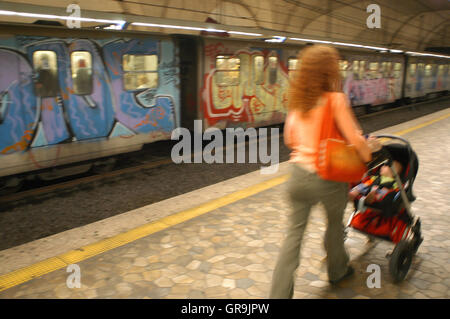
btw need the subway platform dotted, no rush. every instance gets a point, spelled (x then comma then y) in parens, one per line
(222, 241)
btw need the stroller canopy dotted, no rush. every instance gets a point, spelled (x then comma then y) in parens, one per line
(408, 158)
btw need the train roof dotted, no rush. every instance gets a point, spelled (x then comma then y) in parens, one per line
(93, 33)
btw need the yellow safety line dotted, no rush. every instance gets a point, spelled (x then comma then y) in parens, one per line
(74, 256)
(422, 125)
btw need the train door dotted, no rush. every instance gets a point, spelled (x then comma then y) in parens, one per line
(90, 110)
(447, 77)
(144, 77)
(428, 78)
(440, 84)
(18, 111)
(434, 77)
(410, 78)
(188, 51)
(51, 71)
(399, 78)
(420, 82)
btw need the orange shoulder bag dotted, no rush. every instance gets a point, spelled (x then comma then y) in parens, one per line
(336, 160)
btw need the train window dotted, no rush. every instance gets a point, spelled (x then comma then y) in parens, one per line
(355, 68)
(343, 67)
(140, 71)
(258, 69)
(293, 64)
(412, 69)
(388, 70)
(227, 70)
(420, 69)
(397, 70)
(81, 62)
(139, 63)
(373, 66)
(382, 69)
(428, 70)
(434, 70)
(441, 70)
(362, 69)
(273, 64)
(46, 67)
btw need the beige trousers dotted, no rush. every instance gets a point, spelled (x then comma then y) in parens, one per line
(305, 190)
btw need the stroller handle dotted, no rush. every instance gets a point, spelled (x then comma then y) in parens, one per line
(383, 153)
(394, 137)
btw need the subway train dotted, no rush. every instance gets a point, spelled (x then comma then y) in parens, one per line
(72, 99)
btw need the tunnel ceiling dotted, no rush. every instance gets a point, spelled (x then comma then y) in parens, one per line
(405, 24)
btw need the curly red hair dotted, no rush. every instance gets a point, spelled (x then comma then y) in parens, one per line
(318, 73)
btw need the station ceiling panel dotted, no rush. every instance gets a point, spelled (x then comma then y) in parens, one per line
(400, 24)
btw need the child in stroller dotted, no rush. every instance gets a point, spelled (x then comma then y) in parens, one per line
(379, 191)
(382, 203)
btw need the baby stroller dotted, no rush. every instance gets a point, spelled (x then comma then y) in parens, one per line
(399, 225)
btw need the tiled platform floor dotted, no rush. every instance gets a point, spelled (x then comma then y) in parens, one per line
(231, 251)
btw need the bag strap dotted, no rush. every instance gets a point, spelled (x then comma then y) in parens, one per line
(327, 123)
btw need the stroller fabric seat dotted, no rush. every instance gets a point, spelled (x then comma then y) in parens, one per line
(387, 217)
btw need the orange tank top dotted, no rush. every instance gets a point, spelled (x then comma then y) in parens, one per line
(301, 133)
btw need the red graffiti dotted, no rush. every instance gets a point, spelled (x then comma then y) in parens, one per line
(224, 93)
(114, 70)
(256, 104)
(152, 118)
(20, 145)
(211, 50)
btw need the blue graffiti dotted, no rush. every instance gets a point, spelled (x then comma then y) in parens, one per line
(108, 110)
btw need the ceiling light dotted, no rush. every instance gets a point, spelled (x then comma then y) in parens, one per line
(374, 48)
(213, 30)
(245, 33)
(169, 26)
(427, 54)
(51, 16)
(310, 40)
(276, 39)
(348, 44)
(154, 25)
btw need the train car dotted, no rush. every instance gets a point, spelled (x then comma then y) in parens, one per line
(371, 79)
(426, 76)
(244, 83)
(73, 96)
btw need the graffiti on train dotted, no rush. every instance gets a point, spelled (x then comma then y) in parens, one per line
(372, 91)
(56, 91)
(245, 88)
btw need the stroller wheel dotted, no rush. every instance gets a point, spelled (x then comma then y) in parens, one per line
(416, 243)
(417, 239)
(400, 260)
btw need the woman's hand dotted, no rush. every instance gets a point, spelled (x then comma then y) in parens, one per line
(374, 144)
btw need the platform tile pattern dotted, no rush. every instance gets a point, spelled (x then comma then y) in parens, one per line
(231, 252)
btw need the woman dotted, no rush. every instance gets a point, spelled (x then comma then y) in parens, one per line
(313, 84)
